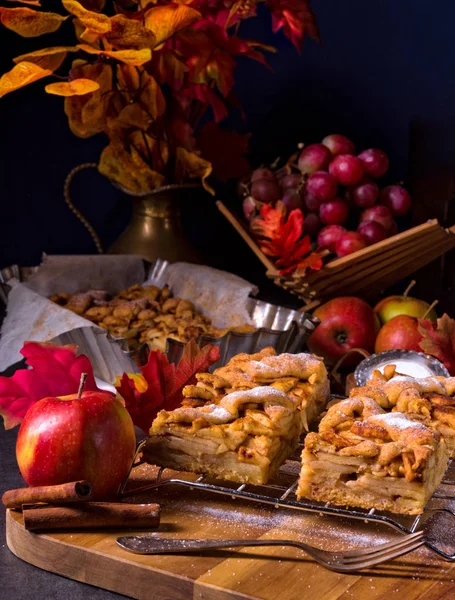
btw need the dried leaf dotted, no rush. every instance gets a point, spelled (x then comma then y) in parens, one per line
(20, 76)
(30, 23)
(96, 22)
(76, 87)
(295, 17)
(133, 115)
(129, 57)
(93, 5)
(47, 58)
(131, 173)
(87, 114)
(151, 96)
(128, 34)
(56, 371)
(164, 21)
(190, 164)
(438, 339)
(29, 2)
(161, 383)
(225, 150)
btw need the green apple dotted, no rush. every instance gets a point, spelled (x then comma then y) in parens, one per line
(392, 306)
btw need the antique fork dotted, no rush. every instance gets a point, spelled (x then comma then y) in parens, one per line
(343, 562)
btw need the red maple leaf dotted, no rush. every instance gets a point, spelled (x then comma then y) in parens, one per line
(161, 383)
(281, 238)
(438, 339)
(56, 371)
(295, 17)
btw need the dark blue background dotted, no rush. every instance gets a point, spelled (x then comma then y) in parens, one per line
(381, 64)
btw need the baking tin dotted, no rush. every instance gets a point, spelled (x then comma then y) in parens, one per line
(408, 362)
(285, 329)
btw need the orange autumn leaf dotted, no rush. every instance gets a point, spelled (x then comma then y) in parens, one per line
(47, 58)
(134, 58)
(94, 5)
(165, 21)
(29, 2)
(87, 114)
(20, 76)
(133, 115)
(151, 97)
(131, 173)
(190, 164)
(76, 87)
(30, 23)
(129, 34)
(96, 22)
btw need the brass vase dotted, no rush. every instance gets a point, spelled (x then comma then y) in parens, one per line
(155, 230)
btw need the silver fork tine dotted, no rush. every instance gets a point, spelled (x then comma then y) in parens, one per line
(364, 552)
(370, 562)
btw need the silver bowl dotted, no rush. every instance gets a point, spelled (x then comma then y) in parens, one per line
(408, 362)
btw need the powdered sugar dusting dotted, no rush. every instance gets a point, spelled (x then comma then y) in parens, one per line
(396, 419)
(258, 393)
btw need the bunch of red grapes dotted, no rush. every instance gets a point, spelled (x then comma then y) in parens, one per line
(335, 189)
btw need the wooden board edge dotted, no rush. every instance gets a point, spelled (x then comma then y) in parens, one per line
(75, 563)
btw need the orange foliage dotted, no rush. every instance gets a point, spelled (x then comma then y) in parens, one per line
(145, 76)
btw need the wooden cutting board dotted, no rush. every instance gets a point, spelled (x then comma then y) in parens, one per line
(275, 573)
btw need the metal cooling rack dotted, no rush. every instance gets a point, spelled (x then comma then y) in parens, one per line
(280, 493)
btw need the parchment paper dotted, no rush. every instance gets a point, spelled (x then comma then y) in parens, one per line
(31, 316)
(219, 295)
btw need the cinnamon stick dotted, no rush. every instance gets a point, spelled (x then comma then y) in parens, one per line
(90, 515)
(76, 491)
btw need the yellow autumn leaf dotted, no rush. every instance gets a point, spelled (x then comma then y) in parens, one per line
(131, 174)
(30, 23)
(134, 58)
(151, 97)
(190, 164)
(165, 21)
(87, 114)
(96, 22)
(29, 2)
(76, 87)
(129, 34)
(133, 115)
(47, 58)
(21, 75)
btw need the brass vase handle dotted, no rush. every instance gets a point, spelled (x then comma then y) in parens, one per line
(66, 193)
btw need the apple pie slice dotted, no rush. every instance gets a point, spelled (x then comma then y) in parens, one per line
(429, 400)
(302, 376)
(365, 457)
(244, 436)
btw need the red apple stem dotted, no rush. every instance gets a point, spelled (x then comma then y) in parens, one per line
(81, 384)
(430, 308)
(408, 289)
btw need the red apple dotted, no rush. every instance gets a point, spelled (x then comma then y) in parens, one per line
(400, 333)
(70, 438)
(346, 322)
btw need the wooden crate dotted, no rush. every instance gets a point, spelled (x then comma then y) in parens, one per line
(364, 272)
